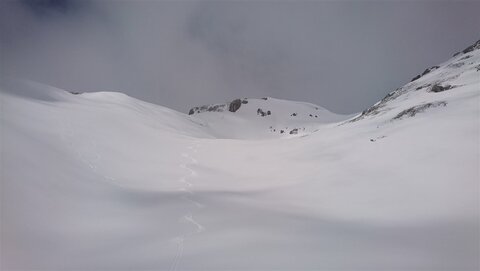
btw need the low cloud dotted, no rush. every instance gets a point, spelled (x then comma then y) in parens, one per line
(341, 55)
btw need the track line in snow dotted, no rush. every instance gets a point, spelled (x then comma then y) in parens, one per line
(180, 241)
(196, 203)
(189, 218)
(187, 189)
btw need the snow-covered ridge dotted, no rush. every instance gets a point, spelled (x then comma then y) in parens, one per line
(263, 118)
(436, 84)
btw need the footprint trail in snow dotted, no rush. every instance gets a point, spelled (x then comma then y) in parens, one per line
(188, 192)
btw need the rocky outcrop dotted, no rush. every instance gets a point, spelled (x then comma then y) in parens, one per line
(207, 108)
(470, 48)
(263, 113)
(235, 105)
(426, 71)
(412, 111)
(415, 78)
(439, 88)
(375, 109)
(232, 107)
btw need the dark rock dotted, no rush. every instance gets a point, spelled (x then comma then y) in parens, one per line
(376, 109)
(456, 65)
(235, 105)
(244, 101)
(311, 115)
(294, 115)
(294, 131)
(264, 98)
(472, 47)
(263, 113)
(75, 92)
(469, 49)
(426, 71)
(281, 131)
(439, 88)
(216, 108)
(412, 111)
(415, 78)
(423, 86)
(207, 108)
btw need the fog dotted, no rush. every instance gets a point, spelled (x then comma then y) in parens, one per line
(341, 55)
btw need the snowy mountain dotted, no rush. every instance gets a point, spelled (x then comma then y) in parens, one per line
(433, 88)
(97, 181)
(263, 118)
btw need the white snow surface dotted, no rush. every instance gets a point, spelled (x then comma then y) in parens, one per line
(101, 181)
(284, 118)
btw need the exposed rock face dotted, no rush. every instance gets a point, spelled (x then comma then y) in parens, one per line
(439, 88)
(375, 109)
(456, 65)
(415, 78)
(412, 111)
(434, 87)
(470, 48)
(426, 71)
(263, 113)
(207, 108)
(235, 105)
(232, 107)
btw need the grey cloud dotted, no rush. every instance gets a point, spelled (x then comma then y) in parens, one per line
(341, 55)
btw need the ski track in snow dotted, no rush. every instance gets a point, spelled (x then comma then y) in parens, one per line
(88, 154)
(187, 189)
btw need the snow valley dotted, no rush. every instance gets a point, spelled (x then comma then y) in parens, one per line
(96, 181)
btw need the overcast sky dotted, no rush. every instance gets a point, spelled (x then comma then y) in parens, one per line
(341, 55)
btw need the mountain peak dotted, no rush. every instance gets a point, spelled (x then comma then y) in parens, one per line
(469, 49)
(263, 117)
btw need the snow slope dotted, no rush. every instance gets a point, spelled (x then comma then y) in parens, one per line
(100, 181)
(263, 118)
